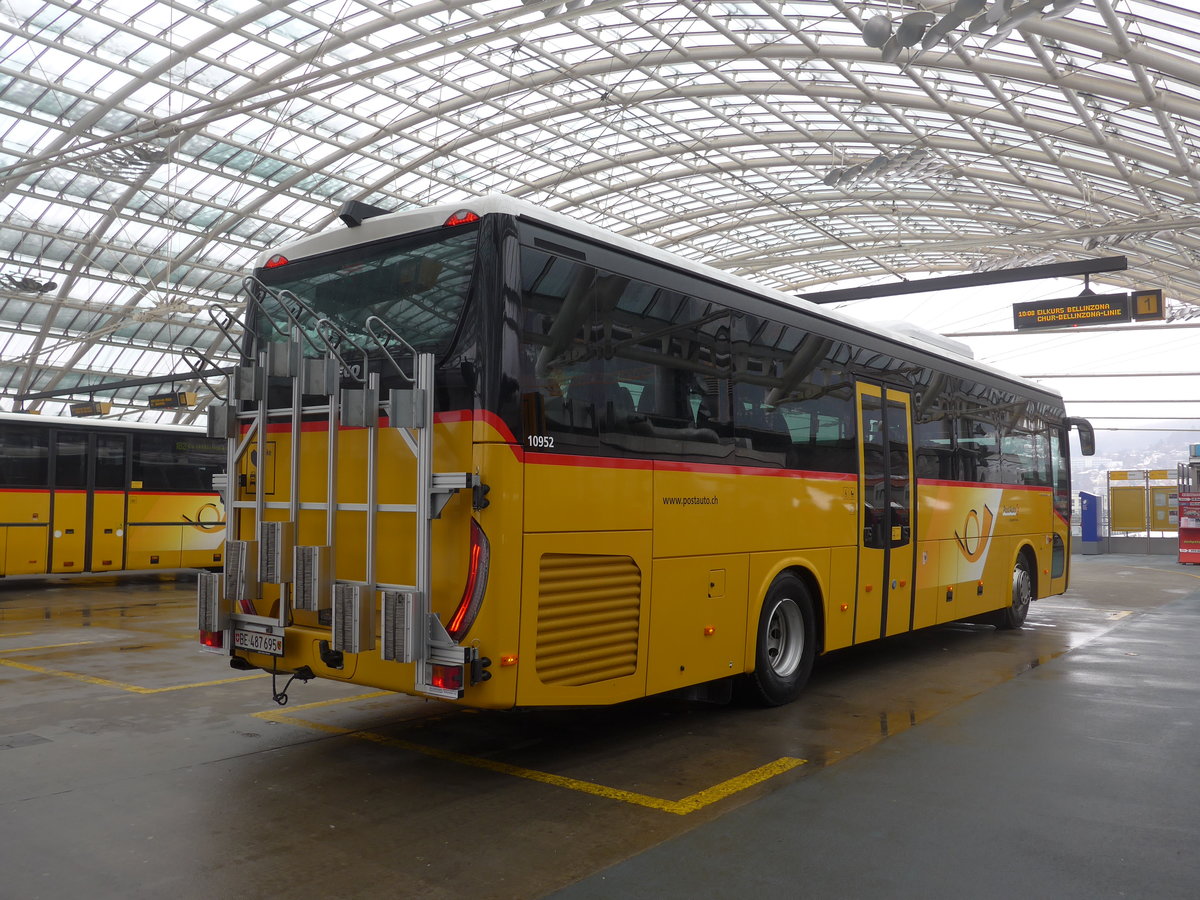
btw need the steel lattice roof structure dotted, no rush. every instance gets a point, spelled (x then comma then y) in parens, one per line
(150, 148)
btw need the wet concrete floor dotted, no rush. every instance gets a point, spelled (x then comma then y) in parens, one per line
(132, 765)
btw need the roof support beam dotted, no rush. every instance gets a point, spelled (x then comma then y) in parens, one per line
(106, 386)
(974, 279)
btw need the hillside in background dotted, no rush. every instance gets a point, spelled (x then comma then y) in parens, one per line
(1126, 450)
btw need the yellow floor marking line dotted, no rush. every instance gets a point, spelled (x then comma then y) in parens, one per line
(689, 804)
(318, 703)
(16, 634)
(1154, 569)
(46, 647)
(119, 685)
(1121, 613)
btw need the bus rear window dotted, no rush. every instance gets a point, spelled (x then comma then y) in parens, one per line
(417, 284)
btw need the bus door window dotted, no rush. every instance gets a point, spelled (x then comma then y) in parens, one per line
(887, 501)
(70, 461)
(874, 474)
(899, 488)
(1060, 471)
(110, 462)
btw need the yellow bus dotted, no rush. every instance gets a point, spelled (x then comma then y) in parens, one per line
(101, 496)
(500, 457)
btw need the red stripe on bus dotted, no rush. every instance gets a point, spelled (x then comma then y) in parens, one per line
(717, 469)
(498, 425)
(444, 418)
(493, 421)
(587, 462)
(939, 482)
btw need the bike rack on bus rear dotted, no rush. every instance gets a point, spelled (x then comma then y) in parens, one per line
(305, 576)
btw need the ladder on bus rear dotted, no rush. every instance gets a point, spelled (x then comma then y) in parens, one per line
(304, 574)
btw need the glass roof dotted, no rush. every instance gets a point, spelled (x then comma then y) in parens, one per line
(148, 150)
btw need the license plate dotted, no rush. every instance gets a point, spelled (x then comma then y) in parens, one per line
(258, 641)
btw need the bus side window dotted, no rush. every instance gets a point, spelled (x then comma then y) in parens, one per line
(25, 452)
(1025, 455)
(622, 367)
(167, 462)
(978, 451)
(557, 365)
(793, 404)
(934, 449)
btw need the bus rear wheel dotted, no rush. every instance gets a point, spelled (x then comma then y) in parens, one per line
(786, 645)
(1013, 615)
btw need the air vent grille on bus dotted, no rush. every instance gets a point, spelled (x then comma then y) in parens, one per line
(588, 612)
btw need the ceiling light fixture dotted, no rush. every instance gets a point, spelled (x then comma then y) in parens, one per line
(916, 163)
(924, 28)
(25, 284)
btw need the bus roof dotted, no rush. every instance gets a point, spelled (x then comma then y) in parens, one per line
(393, 224)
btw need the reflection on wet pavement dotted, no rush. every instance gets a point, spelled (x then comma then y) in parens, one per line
(101, 683)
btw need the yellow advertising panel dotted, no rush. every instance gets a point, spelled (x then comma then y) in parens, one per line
(1164, 508)
(1127, 508)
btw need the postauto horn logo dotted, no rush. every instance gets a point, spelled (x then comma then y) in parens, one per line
(976, 533)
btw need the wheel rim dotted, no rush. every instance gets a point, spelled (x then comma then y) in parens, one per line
(1022, 590)
(785, 638)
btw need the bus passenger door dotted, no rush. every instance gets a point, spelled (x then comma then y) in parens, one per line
(69, 499)
(886, 519)
(88, 528)
(106, 520)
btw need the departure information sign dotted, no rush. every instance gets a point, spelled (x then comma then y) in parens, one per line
(1092, 309)
(1147, 305)
(1096, 309)
(173, 400)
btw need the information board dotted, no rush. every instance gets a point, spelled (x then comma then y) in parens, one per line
(1096, 309)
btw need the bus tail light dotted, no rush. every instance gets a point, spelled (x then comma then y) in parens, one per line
(213, 639)
(462, 217)
(448, 678)
(477, 573)
(276, 261)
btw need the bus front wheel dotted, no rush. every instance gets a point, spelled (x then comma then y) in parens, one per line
(1013, 615)
(786, 645)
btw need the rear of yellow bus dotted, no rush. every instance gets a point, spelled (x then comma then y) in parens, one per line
(319, 593)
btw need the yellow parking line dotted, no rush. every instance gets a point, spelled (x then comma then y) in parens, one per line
(120, 685)
(1156, 569)
(46, 647)
(1096, 609)
(16, 634)
(317, 703)
(689, 804)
